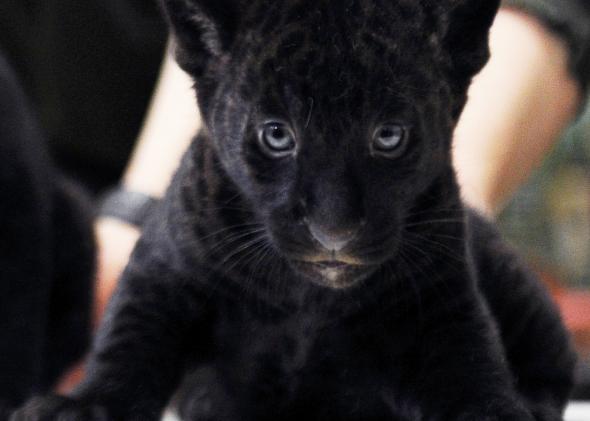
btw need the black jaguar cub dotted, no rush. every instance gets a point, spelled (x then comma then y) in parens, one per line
(312, 259)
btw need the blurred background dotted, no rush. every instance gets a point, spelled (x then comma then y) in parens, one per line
(549, 221)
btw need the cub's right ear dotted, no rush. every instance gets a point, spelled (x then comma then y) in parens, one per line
(203, 30)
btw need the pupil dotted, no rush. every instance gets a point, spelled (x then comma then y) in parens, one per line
(387, 133)
(278, 133)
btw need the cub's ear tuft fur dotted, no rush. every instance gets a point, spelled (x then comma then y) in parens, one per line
(467, 34)
(204, 31)
(463, 28)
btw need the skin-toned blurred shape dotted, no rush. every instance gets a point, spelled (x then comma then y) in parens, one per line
(518, 106)
(171, 122)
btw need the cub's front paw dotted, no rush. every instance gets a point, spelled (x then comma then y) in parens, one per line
(546, 413)
(496, 413)
(58, 408)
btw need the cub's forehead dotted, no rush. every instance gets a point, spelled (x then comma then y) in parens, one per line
(348, 11)
(343, 24)
(325, 42)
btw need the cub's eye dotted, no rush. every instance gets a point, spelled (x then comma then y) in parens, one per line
(277, 140)
(390, 140)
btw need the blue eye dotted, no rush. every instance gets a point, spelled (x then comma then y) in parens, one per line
(390, 140)
(277, 139)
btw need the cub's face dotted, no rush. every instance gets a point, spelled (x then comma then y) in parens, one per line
(333, 118)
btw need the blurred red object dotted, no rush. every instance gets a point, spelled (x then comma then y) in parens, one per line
(575, 310)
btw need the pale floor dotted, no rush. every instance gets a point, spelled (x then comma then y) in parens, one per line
(576, 412)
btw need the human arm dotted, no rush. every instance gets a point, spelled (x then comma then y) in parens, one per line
(171, 123)
(518, 105)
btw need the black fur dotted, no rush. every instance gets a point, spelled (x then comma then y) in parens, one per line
(422, 314)
(46, 258)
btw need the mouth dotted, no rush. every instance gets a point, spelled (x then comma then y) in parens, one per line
(333, 273)
(331, 264)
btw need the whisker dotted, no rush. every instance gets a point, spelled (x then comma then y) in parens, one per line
(245, 246)
(457, 211)
(234, 238)
(223, 208)
(433, 273)
(435, 221)
(441, 247)
(260, 256)
(232, 227)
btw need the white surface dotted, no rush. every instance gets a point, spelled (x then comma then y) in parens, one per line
(578, 411)
(169, 417)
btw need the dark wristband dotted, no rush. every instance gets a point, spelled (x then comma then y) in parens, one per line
(128, 206)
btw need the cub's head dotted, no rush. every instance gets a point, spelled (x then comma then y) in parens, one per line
(333, 116)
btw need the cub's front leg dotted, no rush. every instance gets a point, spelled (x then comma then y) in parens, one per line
(140, 351)
(463, 374)
(536, 341)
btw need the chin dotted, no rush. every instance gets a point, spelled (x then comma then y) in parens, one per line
(333, 276)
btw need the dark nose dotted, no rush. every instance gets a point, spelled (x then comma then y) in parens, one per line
(332, 240)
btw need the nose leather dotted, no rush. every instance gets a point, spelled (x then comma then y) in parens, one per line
(332, 241)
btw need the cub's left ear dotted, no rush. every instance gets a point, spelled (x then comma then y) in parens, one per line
(467, 34)
(203, 30)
